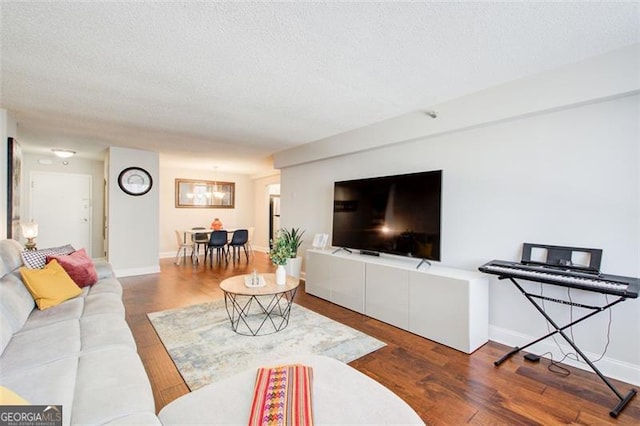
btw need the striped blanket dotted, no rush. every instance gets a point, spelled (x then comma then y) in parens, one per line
(282, 396)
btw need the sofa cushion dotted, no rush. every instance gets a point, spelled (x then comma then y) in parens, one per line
(50, 285)
(48, 384)
(100, 331)
(79, 266)
(111, 383)
(141, 418)
(9, 397)
(36, 259)
(106, 285)
(15, 304)
(5, 331)
(10, 256)
(69, 310)
(41, 346)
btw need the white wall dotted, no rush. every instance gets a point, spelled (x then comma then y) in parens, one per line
(172, 218)
(566, 176)
(133, 222)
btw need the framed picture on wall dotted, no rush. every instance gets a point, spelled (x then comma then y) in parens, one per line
(14, 172)
(205, 194)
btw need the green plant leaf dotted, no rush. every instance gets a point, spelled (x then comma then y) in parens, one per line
(286, 243)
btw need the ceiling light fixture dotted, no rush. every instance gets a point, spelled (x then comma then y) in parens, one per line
(63, 153)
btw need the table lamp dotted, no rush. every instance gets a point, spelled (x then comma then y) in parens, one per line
(30, 232)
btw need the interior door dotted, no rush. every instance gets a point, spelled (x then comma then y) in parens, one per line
(60, 203)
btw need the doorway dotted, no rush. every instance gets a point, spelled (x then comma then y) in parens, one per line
(60, 203)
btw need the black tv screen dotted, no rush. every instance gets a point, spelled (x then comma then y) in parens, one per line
(392, 214)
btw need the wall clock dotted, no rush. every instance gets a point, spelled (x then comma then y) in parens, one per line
(135, 181)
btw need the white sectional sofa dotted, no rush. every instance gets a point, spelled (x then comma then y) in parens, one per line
(79, 354)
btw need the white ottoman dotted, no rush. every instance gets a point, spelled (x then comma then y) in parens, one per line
(340, 395)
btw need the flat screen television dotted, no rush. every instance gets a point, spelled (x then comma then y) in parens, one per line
(391, 214)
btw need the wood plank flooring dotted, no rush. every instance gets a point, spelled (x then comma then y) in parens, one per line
(444, 386)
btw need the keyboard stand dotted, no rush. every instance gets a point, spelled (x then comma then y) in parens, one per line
(624, 399)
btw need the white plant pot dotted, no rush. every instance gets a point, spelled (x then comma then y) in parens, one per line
(294, 266)
(281, 275)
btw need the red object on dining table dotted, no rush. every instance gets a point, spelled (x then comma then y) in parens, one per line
(216, 225)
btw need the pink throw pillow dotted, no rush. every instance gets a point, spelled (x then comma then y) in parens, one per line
(79, 266)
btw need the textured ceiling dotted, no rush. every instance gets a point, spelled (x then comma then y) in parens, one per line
(228, 84)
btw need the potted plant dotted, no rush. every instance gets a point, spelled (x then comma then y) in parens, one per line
(280, 254)
(293, 238)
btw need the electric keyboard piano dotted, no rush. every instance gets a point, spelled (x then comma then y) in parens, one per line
(602, 283)
(559, 269)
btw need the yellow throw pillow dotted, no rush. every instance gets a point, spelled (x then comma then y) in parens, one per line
(9, 397)
(49, 286)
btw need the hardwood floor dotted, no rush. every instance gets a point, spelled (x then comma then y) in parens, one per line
(444, 386)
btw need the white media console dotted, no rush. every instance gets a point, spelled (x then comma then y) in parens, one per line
(449, 306)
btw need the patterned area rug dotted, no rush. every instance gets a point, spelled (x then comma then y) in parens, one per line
(205, 349)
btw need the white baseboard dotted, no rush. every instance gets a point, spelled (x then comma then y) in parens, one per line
(610, 367)
(130, 272)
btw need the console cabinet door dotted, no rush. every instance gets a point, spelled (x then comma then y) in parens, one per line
(439, 309)
(347, 283)
(387, 295)
(318, 275)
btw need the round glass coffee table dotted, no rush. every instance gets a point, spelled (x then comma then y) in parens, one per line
(261, 310)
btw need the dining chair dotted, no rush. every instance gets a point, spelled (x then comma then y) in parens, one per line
(217, 241)
(182, 247)
(239, 239)
(250, 239)
(200, 239)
